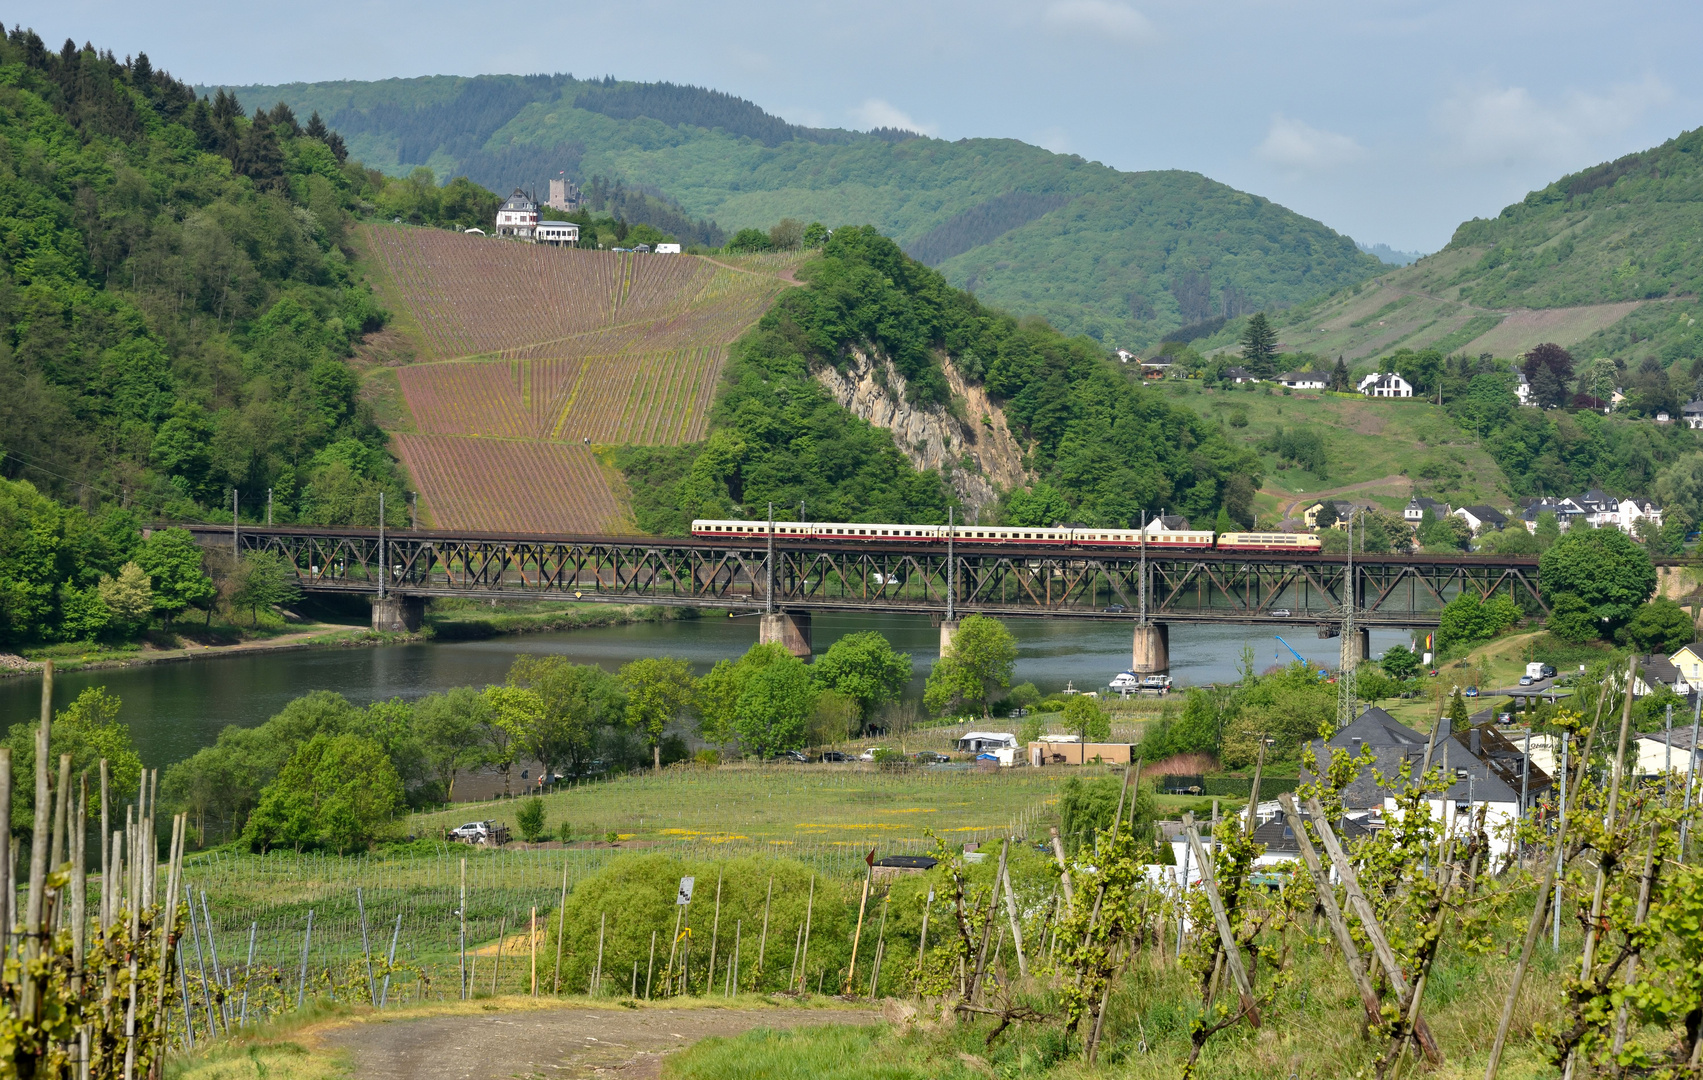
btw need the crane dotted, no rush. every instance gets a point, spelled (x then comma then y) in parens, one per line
(1298, 657)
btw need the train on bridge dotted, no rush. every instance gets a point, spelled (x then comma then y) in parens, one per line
(1063, 537)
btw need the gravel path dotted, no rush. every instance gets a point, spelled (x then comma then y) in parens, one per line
(568, 1042)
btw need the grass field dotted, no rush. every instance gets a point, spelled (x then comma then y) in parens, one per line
(1384, 450)
(504, 361)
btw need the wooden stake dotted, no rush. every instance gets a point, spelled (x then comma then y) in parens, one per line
(857, 935)
(987, 925)
(561, 933)
(497, 966)
(715, 931)
(650, 970)
(597, 972)
(763, 942)
(1226, 935)
(804, 955)
(1064, 872)
(532, 934)
(1333, 914)
(1369, 923)
(1016, 931)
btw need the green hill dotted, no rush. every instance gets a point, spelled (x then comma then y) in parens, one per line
(1126, 258)
(1607, 262)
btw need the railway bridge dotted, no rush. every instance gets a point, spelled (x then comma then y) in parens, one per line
(786, 579)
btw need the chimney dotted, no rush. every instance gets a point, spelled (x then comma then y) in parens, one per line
(1474, 744)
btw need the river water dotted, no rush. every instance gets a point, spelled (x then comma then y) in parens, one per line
(176, 709)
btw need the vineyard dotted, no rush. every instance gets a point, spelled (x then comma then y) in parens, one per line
(532, 354)
(499, 485)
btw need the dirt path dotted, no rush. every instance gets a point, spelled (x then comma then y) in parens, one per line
(559, 1042)
(1297, 502)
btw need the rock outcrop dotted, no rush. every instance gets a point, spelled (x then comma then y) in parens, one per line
(978, 455)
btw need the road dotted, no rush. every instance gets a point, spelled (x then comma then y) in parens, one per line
(563, 1042)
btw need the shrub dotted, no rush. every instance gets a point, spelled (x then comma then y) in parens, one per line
(530, 819)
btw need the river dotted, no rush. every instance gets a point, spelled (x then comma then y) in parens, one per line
(176, 709)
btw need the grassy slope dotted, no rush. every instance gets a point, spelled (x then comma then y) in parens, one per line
(1604, 261)
(1125, 234)
(1377, 448)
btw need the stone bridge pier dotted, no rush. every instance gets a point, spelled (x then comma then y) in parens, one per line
(1152, 652)
(398, 614)
(787, 628)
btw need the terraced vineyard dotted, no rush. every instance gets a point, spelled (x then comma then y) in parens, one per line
(531, 355)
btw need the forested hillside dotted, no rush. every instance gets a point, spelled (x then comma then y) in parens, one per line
(1605, 262)
(1126, 258)
(1106, 450)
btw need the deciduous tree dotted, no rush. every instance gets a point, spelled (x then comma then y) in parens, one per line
(863, 667)
(660, 689)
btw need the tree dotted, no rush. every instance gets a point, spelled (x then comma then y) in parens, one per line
(787, 235)
(1339, 380)
(748, 240)
(1399, 662)
(1447, 533)
(1375, 685)
(1660, 626)
(1679, 486)
(89, 730)
(1468, 618)
(1459, 718)
(1326, 518)
(980, 660)
(1571, 619)
(1605, 568)
(1239, 501)
(575, 703)
(529, 818)
(863, 667)
(659, 691)
(263, 579)
(1549, 368)
(172, 560)
(1514, 540)
(815, 234)
(1083, 715)
(129, 597)
(1259, 345)
(773, 708)
(1547, 531)
(508, 709)
(449, 726)
(337, 791)
(833, 719)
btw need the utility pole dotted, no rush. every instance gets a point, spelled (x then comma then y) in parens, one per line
(236, 552)
(1347, 684)
(383, 556)
(268, 508)
(951, 564)
(1143, 616)
(769, 565)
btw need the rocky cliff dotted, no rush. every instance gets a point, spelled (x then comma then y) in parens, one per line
(978, 454)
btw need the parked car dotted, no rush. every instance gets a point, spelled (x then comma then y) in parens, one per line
(1281, 613)
(482, 833)
(869, 755)
(1472, 691)
(835, 755)
(1505, 718)
(1115, 609)
(792, 755)
(1526, 680)
(1549, 671)
(929, 757)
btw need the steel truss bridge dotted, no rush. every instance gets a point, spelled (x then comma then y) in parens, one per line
(1407, 591)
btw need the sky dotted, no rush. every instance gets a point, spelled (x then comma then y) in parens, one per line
(1389, 121)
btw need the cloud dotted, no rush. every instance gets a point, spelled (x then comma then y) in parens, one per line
(875, 113)
(1508, 126)
(1298, 146)
(1103, 17)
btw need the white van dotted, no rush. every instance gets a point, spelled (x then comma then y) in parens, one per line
(668, 249)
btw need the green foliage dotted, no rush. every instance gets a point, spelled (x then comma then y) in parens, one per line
(339, 792)
(863, 667)
(1259, 346)
(748, 240)
(1085, 808)
(659, 690)
(554, 711)
(1399, 662)
(763, 701)
(1660, 626)
(1468, 618)
(450, 727)
(1288, 707)
(1304, 448)
(1113, 255)
(1084, 717)
(1606, 569)
(53, 560)
(263, 579)
(89, 730)
(982, 656)
(1460, 718)
(633, 897)
(1447, 533)
(529, 818)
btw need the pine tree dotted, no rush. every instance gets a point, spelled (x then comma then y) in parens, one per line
(1459, 718)
(1259, 345)
(259, 156)
(1223, 524)
(316, 128)
(1339, 377)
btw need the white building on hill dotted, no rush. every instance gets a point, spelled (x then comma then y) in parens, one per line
(1385, 385)
(518, 216)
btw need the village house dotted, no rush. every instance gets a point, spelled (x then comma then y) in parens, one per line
(1693, 414)
(1304, 380)
(1523, 390)
(1310, 516)
(557, 233)
(1479, 518)
(1240, 375)
(518, 216)
(1656, 670)
(1661, 752)
(1168, 523)
(1388, 385)
(1566, 511)
(1689, 661)
(1416, 507)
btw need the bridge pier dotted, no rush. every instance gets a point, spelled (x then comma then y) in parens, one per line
(948, 631)
(1152, 652)
(786, 628)
(398, 614)
(1357, 648)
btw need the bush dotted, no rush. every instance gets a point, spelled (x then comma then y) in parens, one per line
(636, 893)
(530, 819)
(567, 832)
(1086, 806)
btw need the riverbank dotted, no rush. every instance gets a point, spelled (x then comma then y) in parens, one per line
(453, 620)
